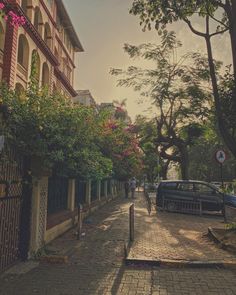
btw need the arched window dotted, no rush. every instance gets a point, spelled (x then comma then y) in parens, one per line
(35, 65)
(48, 35)
(38, 21)
(23, 52)
(26, 6)
(2, 37)
(45, 75)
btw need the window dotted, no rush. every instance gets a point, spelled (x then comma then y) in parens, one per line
(38, 21)
(203, 188)
(45, 75)
(50, 2)
(27, 8)
(169, 185)
(2, 37)
(186, 187)
(23, 52)
(48, 35)
(35, 64)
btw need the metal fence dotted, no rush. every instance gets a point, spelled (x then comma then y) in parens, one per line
(94, 191)
(103, 189)
(57, 194)
(193, 207)
(15, 206)
(80, 192)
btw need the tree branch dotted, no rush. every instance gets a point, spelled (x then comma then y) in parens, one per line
(193, 29)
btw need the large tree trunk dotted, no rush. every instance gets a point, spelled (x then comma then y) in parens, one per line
(230, 10)
(184, 164)
(225, 132)
(164, 169)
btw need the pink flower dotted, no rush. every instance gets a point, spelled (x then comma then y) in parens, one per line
(2, 5)
(6, 17)
(16, 20)
(112, 125)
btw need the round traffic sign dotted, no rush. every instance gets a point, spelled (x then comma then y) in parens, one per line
(220, 156)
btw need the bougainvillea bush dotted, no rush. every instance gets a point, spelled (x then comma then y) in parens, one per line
(118, 142)
(10, 16)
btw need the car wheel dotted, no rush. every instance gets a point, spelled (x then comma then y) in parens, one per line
(171, 206)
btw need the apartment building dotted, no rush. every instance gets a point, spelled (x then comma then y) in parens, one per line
(49, 35)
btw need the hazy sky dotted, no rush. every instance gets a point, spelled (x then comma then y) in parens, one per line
(103, 26)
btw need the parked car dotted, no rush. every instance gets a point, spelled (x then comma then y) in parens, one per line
(217, 184)
(191, 190)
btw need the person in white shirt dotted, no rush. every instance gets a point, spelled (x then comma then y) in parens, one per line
(132, 187)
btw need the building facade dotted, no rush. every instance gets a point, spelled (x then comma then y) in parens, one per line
(85, 98)
(49, 36)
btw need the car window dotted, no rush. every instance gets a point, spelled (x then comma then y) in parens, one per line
(203, 188)
(186, 187)
(169, 185)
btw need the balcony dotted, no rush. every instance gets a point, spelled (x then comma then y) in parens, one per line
(22, 71)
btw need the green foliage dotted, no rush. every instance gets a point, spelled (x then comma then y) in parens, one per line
(51, 128)
(231, 226)
(163, 12)
(178, 87)
(118, 142)
(203, 165)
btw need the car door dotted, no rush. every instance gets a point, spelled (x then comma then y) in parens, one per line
(210, 197)
(185, 191)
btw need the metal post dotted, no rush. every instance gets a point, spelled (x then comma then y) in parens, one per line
(131, 223)
(221, 175)
(158, 172)
(80, 220)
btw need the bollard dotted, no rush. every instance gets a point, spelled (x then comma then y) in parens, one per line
(131, 223)
(79, 229)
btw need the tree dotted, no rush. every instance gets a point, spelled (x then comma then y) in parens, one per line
(203, 165)
(153, 165)
(118, 142)
(178, 89)
(223, 14)
(52, 129)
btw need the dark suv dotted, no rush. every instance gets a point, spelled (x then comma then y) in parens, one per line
(173, 194)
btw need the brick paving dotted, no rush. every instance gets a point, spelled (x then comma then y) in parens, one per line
(165, 235)
(96, 266)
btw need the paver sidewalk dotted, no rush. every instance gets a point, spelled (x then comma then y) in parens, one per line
(175, 236)
(96, 266)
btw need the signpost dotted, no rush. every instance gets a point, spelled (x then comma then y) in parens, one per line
(220, 157)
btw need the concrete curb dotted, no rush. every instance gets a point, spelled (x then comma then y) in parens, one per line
(171, 263)
(54, 259)
(214, 235)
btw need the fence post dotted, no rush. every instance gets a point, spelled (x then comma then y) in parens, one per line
(131, 223)
(200, 208)
(80, 220)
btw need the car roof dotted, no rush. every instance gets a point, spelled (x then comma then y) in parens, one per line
(184, 181)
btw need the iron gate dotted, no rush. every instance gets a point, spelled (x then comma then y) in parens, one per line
(15, 197)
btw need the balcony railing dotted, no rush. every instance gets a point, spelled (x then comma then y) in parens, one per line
(22, 70)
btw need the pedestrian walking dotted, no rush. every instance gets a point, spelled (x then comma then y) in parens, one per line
(132, 187)
(126, 189)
